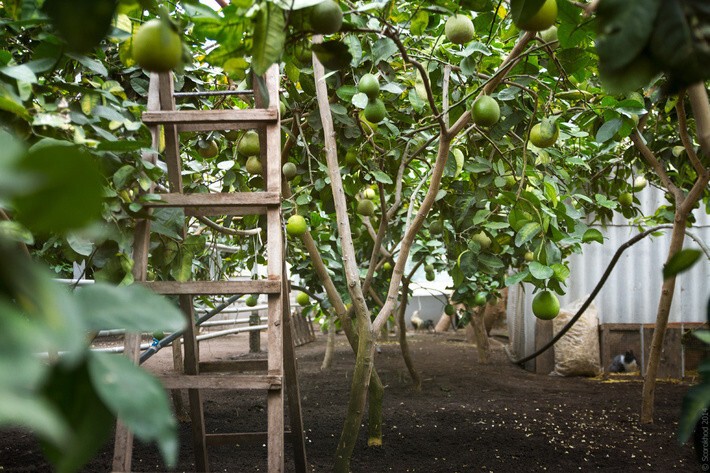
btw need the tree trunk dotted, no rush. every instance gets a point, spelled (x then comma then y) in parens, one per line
(330, 346)
(479, 330)
(403, 344)
(443, 324)
(358, 397)
(664, 308)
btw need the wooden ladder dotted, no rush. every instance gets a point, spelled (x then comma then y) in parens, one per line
(280, 366)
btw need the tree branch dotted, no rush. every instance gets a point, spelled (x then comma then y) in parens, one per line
(685, 137)
(228, 231)
(656, 165)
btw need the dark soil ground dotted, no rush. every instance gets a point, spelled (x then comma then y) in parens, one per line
(468, 417)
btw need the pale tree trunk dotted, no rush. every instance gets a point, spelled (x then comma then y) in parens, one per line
(479, 331)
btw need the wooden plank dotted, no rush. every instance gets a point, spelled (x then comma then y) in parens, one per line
(258, 286)
(256, 199)
(216, 119)
(172, 139)
(225, 125)
(544, 363)
(233, 366)
(222, 381)
(235, 211)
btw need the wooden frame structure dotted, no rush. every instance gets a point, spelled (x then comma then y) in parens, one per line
(280, 367)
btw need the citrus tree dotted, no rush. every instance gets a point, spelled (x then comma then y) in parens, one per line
(470, 137)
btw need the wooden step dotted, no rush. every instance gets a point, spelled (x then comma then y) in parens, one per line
(194, 288)
(206, 120)
(227, 203)
(221, 381)
(233, 366)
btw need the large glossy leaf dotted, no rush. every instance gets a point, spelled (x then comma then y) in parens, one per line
(269, 37)
(527, 233)
(69, 194)
(20, 409)
(133, 308)
(72, 393)
(137, 399)
(624, 29)
(82, 23)
(681, 261)
(695, 403)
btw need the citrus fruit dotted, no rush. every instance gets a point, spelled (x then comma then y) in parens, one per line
(289, 171)
(545, 305)
(543, 19)
(480, 298)
(351, 156)
(249, 144)
(254, 165)
(296, 225)
(369, 86)
(549, 36)
(429, 268)
(159, 335)
(251, 301)
(367, 125)
(449, 309)
(544, 135)
(482, 239)
(207, 148)
(157, 47)
(375, 111)
(369, 193)
(231, 135)
(366, 208)
(529, 256)
(302, 299)
(459, 29)
(486, 111)
(430, 276)
(625, 199)
(640, 183)
(387, 266)
(436, 227)
(326, 17)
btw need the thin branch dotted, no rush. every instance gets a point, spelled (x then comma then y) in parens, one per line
(656, 165)
(228, 231)
(698, 95)
(377, 248)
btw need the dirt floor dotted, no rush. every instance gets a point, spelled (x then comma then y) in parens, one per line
(468, 417)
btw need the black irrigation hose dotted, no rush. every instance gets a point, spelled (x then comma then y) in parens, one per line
(594, 293)
(153, 349)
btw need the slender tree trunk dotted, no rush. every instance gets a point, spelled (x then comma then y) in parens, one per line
(330, 345)
(479, 331)
(664, 309)
(403, 344)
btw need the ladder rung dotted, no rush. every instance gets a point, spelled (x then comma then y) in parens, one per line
(239, 438)
(233, 366)
(192, 288)
(204, 120)
(221, 381)
(211, 200)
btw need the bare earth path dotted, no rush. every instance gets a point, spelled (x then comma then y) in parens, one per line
(467, 418)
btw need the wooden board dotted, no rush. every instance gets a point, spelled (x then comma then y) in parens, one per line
(214, 119)
(237, 199)
(250, 286)
(222, 381)
(544, 363)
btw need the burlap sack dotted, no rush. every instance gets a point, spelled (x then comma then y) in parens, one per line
(577, 352)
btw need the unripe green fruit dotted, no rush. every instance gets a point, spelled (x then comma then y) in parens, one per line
(302, 299)
(449, 309)
(430, 276)
(249, 144)
(459, 29)
(156, 47)
(366, 208)
(289, 171)
(626, 199)
(369, 193)
(375, 111)
(543, 19)
(369, 86)
(207, 148)
(486, 111)
(296, 225)
(640, 183)
(482, 239)
(544, 137)
(326, 17)
(251, 301)
(254, 166)
(545, 305)
(480, 299)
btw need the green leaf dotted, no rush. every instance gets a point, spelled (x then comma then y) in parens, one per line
(561, 272)
(70, 191)
(13, 231)
(527, 233)
(516, 278)
(133, 308)
(608, 130)
(624, 30)
(695, 403)
(71, 392)
(382, 177)
(295, 4)
(14, 107)
(592, 234)
(702, 335)
(137, 399)
(269, 38)
(21, 73)
(33, 413)
(680, 262)
(540, 271)
(334, 54)
(419, 23)
(383, 49)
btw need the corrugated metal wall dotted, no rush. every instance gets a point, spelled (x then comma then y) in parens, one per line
(631, 293)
